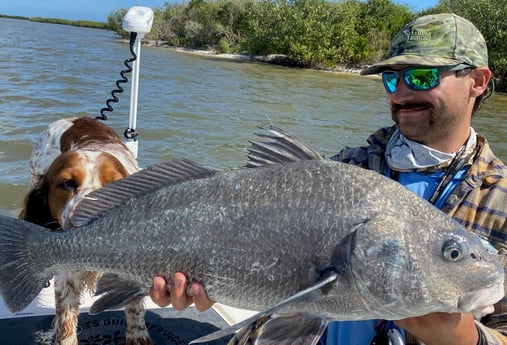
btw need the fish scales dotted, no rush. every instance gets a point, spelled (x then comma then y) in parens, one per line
(219, 218)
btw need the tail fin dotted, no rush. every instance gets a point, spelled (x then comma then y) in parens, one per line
(20, 278)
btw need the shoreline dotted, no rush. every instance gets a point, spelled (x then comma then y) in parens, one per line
(272, 59)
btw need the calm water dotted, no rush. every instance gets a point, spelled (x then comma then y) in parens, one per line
(201, 108)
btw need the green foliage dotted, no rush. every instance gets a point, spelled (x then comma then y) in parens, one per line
(318, 33)
(169, 25)
(380, 21)
(82, 23)
(115, 20)
(263, 29)
(14, 17)
(315, 33)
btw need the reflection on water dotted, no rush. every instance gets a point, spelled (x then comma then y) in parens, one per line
(198, 107)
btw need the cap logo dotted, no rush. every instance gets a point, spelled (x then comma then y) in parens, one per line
(420, 35)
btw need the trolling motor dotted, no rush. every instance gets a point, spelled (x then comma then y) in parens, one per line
(138, 21)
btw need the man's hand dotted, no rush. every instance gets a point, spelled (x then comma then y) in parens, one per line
(177, 295)
(442, 328)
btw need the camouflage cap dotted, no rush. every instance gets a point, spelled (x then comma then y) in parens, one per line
(435, 40)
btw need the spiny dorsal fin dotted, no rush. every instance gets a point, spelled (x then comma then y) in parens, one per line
(282, 148)
(141, 183)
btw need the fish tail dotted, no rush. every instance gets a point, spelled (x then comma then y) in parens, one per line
(21, 278)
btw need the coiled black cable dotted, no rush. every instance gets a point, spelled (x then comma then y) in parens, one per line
(124, 79)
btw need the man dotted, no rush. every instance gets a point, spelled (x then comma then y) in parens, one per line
(436, 77)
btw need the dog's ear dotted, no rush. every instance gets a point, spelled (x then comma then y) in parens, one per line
(37, 208)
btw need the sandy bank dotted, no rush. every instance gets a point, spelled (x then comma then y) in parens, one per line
(275, 59)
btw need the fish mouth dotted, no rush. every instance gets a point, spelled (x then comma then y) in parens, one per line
(480, 302)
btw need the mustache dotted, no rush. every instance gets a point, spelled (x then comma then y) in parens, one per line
(409, 105)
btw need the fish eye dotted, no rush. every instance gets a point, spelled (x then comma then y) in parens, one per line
(452, 251)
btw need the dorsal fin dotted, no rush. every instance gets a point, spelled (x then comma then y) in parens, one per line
(143, 182)
(282, 148)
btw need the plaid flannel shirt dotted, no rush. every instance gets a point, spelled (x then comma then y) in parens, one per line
(479, 203)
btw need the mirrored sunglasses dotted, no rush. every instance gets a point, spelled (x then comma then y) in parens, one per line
(417, 78)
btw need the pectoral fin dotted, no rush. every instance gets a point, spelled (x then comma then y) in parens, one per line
(298, 297)
(290, 329)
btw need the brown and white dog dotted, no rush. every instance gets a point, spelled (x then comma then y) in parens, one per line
(73, 157)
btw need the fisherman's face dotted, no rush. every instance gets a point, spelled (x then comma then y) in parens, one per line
(430, 116)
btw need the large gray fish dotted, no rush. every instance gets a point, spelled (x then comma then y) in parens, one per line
(326, 240)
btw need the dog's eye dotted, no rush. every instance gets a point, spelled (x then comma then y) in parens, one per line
(69, 185)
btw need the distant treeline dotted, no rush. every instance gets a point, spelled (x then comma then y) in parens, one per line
(312, 33)
(309, 33)
(83, 23)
